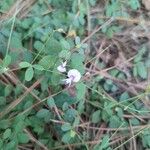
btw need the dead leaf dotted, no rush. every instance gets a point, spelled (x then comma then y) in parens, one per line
(146, 3)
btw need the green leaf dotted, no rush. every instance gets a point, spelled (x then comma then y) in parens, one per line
(11, 145)
(51, 102)
(27, 55)
(66, 127)
(96, 116)
(55, 77)
(115, 122)
(62, 98)
(76, 121)
(124, 96)
(24, 64)
(135, 4)
(66, 137)
(107, 87)
(134, 122)
(42, 113)
(114, 72)
(92, 2)
(8, 90)
(7, 61)
(26, 22)
(16, 42)
(70, 115)
(27, 105)
(53, 47)
(64, 54)
(105, 142)
(2, 100)
(114, 88)
(38, 45)
(141, 69)
(23, 138)
(77, 62)
(81, 107)
(4, 124)
(65, 44)
(65, 106)
(81, 90)
(145, 138)
(72, 133)
(29, 74)
(6, 134)
(135, 73)
(48, 117)
(1, 143)
(19, 126)
(138, 57)
(47, 61)
(38, 67)
(108, 81)
(119, 112)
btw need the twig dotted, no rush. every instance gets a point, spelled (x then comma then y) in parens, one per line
(133, 140)
(96, 30)
(33, 139)
(19, 100)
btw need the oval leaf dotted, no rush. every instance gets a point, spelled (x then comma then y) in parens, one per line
(24, 64)
(29, 74)
(7, 61)
(141, 69)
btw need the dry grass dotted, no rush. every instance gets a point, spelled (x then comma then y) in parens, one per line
(114, 53)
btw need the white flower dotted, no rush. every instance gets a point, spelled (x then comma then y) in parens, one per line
(62, 67)
(60, 30)
(73, 76)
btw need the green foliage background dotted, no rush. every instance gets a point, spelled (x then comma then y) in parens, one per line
(37, 110)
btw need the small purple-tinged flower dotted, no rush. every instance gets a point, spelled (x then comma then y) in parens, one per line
(62, 67)
(73, 76)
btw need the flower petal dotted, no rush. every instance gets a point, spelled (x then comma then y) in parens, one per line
(67, 81)
(75, 74)
(64, 64)
(61, 68)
